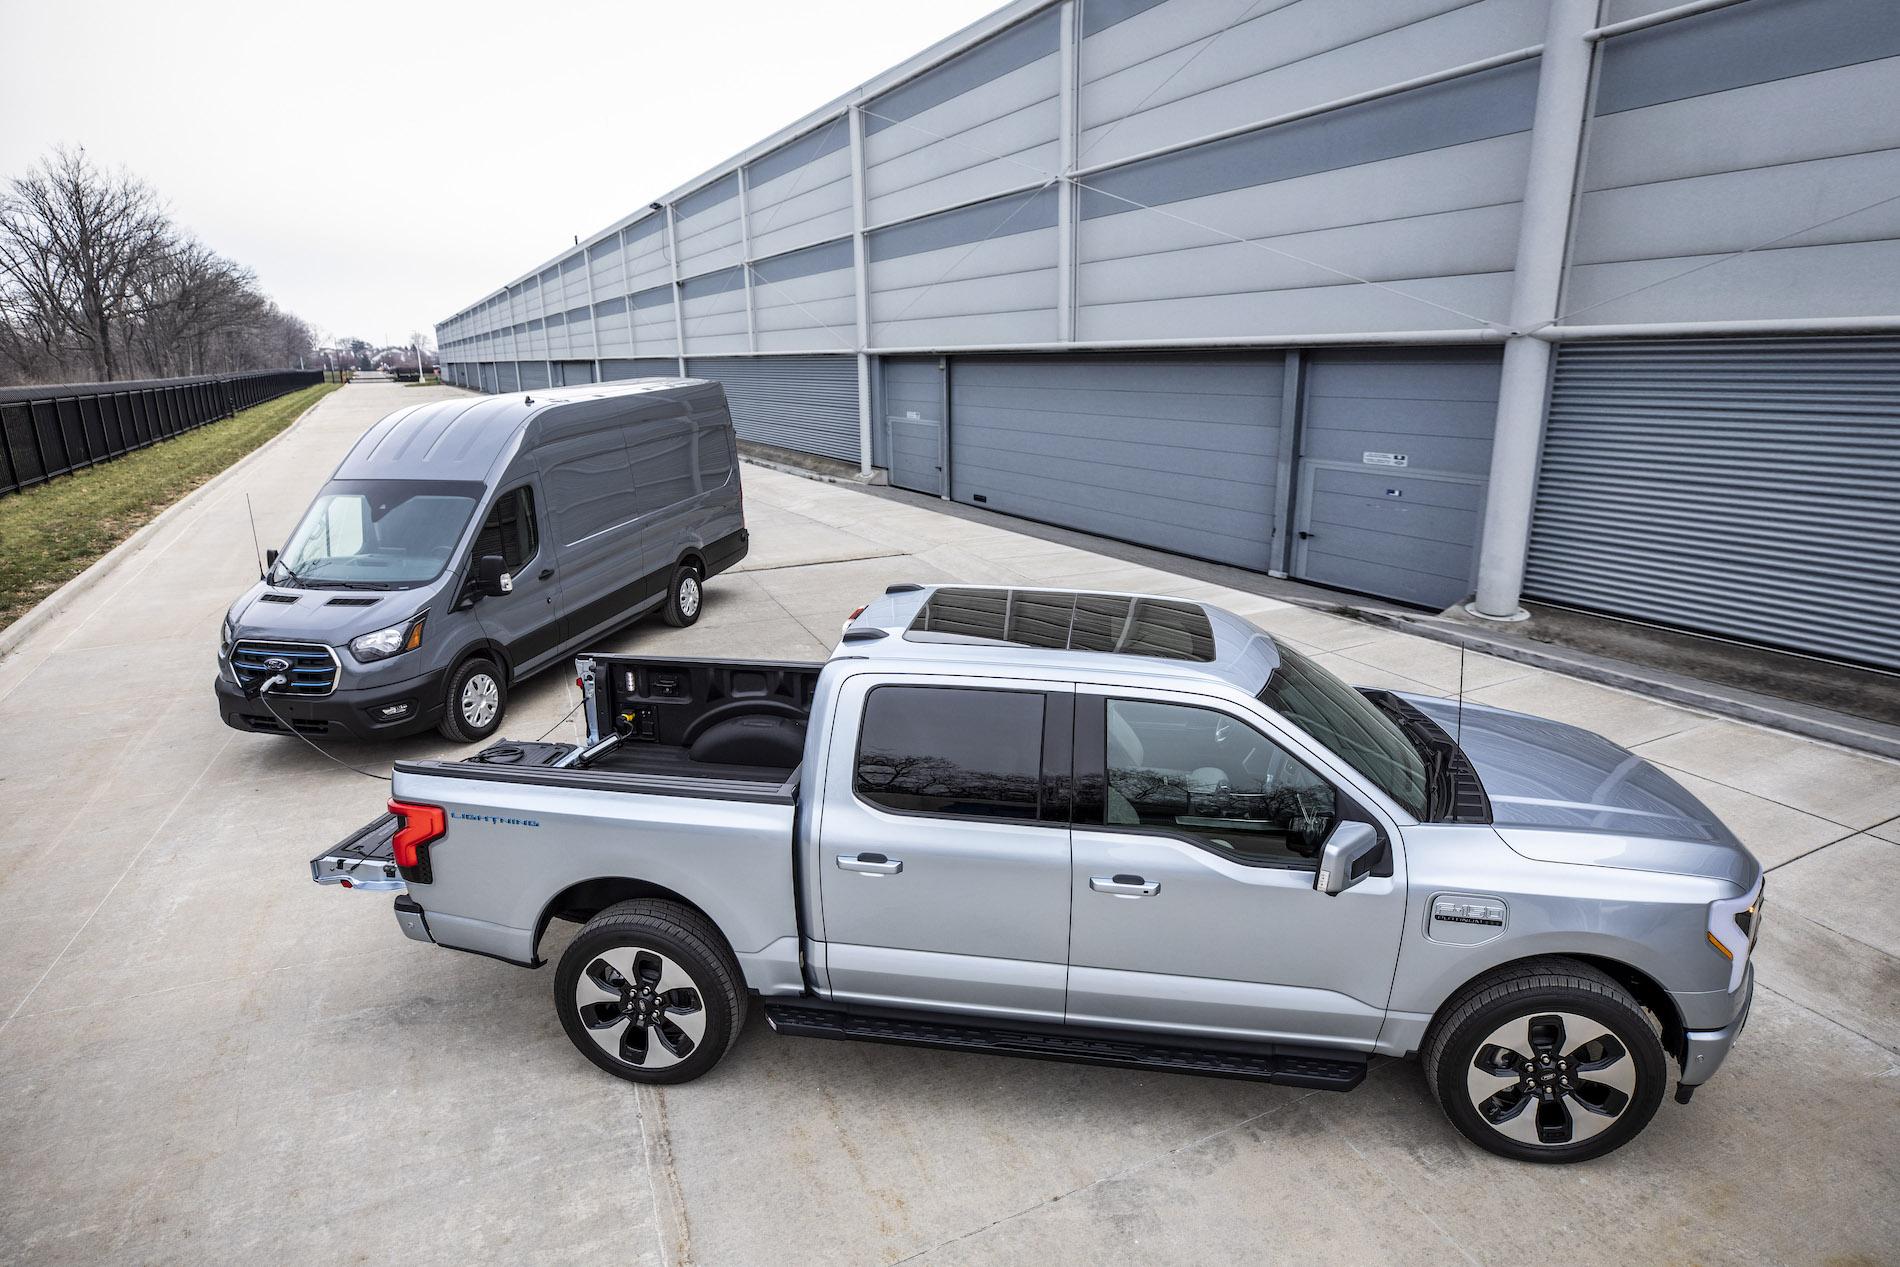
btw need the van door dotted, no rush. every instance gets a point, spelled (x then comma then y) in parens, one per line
(588, 478)
(528, 619)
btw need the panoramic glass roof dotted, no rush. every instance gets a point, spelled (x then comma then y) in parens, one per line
(1115, 623)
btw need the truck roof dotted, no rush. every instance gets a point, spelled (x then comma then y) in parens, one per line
(465, 439)
(1063, 633)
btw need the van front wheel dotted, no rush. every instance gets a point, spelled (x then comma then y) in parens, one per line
(476, 698)
(683, 596)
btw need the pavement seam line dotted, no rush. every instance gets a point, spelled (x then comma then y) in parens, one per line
(1826, 844)
(1655, 761)
(100, 905)
(1129, 1169)
(1823, 1016)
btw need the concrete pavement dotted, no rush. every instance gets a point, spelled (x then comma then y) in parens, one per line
(205, 1058)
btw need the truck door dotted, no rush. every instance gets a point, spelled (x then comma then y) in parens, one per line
(1197, 839)
(943, 845)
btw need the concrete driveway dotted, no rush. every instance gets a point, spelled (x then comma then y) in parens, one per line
(206, 1058)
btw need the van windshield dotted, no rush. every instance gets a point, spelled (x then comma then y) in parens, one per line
(377, 534)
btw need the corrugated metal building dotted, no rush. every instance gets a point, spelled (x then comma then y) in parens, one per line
(1586, 301)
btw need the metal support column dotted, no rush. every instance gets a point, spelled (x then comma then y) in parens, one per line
(745, 258)
(679, 300)
(1065, 187)
(859, 259)
(1563, 98)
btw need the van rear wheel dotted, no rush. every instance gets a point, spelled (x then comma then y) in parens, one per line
(683, 596)
(475, 700)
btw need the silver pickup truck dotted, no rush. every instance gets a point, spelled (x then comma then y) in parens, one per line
(1097, 827)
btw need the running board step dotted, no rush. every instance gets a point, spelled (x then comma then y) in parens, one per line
(1288, 1066)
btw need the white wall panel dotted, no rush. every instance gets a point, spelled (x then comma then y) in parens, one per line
(807, 202)
(998, 291)
(802, 313)
(706, 229)
(648, 263)
(653, 332)
(713, 314)
(1173, 73)
(999, 136)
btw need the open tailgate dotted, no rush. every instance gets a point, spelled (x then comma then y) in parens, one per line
(364, 860)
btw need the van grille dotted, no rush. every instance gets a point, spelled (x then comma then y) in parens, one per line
(313, 667)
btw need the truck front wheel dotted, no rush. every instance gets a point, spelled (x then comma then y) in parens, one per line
(1546, 1061)
(649, 992)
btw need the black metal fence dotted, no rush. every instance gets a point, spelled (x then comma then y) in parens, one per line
(55, 430)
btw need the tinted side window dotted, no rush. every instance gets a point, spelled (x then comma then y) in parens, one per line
(951, 750)
(509, 530)
(1208, 775)
(663, 464)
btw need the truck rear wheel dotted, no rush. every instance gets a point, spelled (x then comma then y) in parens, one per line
(683, 596)
(1546, 1061)
(649, 992)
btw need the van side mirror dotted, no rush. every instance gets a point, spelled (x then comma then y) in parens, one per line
(270, 561)
(1346, 858)
(491, 576)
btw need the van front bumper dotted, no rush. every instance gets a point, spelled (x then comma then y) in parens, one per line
(366, 714)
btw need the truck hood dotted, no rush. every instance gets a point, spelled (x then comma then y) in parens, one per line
(1563, 794)
(321, 615)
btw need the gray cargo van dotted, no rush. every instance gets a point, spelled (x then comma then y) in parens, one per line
(465, 544)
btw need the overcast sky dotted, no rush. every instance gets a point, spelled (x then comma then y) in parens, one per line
(379, 165)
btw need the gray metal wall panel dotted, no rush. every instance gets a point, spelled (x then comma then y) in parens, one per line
(806, 202)
(603, 267)
(1176, 453)
(797, 310)
(507, 378)
(805, 403)
(1743, 488)
(1160, 77)
(654, 333)
(614, 327)
(712, 313)
(1662, 206)
(983, 122)
(710, 238)
(648, 262)
(998, 291)
(573, 281)
(1740, 45)
(1407, 531)
(533, 374)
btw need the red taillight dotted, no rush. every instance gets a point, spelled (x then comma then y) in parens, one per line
(854, 615)
(417, 826)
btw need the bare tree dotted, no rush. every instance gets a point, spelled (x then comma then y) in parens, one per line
(75, 242)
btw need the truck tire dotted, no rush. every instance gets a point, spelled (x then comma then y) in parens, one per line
(1546, 1061)
(684, 596)
(474, 701)
(649, 992)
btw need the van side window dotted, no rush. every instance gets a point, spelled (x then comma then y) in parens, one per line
(715, 458)
(509, 530)
(663, 465)
(958, 751)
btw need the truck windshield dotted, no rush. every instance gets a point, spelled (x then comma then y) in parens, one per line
(1349, 725)
(377, 534)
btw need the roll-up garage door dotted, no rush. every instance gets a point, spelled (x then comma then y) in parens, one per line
(647, 367)
(1743, 488)
(505, 377)
(573, 373)
(532, 374)
(805, 403)
(488, 377)
(1175, 453)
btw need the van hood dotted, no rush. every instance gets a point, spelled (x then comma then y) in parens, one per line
(321, 615)
(1560, 793)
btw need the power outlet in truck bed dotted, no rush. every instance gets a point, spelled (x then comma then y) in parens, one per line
(640, 722)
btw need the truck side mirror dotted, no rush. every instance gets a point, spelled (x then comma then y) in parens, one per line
(491, 576)
(1346, 857)
(270, 559)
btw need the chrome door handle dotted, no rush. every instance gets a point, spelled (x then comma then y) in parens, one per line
(1125, 885)
(869, 864)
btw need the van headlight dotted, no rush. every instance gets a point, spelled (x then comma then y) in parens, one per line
(1734, 924)
(389, 642)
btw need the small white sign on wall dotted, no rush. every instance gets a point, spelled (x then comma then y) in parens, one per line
(1384, 459)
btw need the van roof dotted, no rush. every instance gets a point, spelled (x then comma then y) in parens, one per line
(1075, 634)
(468, 439)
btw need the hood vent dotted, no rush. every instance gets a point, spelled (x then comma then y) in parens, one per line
(353, 602)
(278, 598)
